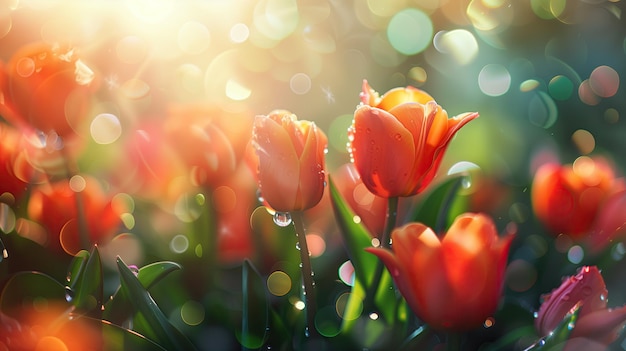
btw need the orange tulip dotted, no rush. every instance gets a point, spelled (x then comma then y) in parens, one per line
(291, 169)
(566, 199)
(47, 88)
(397, 141)
(596, 324)
(452, 283)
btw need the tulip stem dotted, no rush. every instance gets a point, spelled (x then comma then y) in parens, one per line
(385, 242)
(71, 169)
(307, 274)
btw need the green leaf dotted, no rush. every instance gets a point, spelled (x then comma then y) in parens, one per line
(76, 267)
(30, 289)
(117, 338)
(87, 285)
(118, 309)
(438, 207)
(356, 238)
(165, 333)
(255, 308)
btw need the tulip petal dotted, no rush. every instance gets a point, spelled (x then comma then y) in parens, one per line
(279, 166)
(602, 325)
(398, 96)
(311, 171)
(377, 135)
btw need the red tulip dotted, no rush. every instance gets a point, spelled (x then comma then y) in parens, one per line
(397, 141)
(291, 170)
(452, 283)
(55, 206)
(47, 88)
(596, 323)
(566, 199)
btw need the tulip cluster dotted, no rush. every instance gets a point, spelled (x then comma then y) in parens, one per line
(206, 188)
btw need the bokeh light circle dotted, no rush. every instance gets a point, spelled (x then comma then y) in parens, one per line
(604, 81)
(192, 313)
(179, 244)
(279, 283)
(560, 87)
(410, 31)
(494, 80)
(300, 83)
(105, 128)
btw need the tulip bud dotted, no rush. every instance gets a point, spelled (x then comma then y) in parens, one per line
(595, 321)
(291, 166)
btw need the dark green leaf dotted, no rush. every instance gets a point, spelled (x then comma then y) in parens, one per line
(117, 338)
(167, 335)
(29, 289)
(438, 207)
(87, 287)
(356, 238)
(255, 308)
(118, 308)
(76, 267)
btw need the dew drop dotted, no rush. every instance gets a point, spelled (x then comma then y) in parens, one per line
(306, 332)
(282, 219)
(69, 294)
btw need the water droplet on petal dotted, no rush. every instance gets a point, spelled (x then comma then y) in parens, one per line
(282, 219)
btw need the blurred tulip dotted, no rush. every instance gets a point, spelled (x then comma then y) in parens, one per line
(234, 202)
(46, 87)
(291, 153)
(15, 171)
(566, 199)
(397, 141)
(209, 140)
(51, 327)
(610, 223)
(370, 208)
(596, 323)
(452, 283)
(150, 167)
(56, 207)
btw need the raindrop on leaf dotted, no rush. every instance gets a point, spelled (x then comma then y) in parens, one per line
(69, 294)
